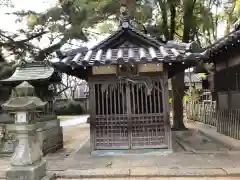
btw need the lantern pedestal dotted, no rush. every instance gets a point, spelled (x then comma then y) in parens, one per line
(27, 162)
(36, 171)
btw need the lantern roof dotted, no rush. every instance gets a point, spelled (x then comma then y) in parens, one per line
(23, 99)
(33, 71)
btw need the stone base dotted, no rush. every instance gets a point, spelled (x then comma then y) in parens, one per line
(33, 172)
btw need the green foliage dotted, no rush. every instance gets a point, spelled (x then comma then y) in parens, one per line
(106, 27)
(193, 20)
(203, 75)
(69, 107)
(192, 94)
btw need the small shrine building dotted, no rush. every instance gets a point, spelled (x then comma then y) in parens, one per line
(128, 74)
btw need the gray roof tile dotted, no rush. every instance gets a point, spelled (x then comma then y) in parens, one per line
(129, 45)
(31, 71)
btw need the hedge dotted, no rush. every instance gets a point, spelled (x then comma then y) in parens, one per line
(69, 107)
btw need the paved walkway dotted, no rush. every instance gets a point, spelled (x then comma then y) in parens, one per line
(75, 161)
(163, 178)
(158, 178)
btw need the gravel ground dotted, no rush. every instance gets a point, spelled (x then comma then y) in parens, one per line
(73, 137)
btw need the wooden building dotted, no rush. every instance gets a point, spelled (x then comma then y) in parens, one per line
(127, 74)
(225, 80)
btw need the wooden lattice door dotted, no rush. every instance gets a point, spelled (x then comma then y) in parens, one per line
(129, 115)
(111, 122)
(146, 116)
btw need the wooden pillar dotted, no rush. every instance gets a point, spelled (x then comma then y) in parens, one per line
(92, 112)
(229, 99)
(167, 124)
(129, 113)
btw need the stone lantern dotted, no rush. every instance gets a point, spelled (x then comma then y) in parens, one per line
(26, 162)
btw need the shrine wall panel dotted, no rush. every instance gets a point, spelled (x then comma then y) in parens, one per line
(235, 97)
(220, 66)
(222, 100)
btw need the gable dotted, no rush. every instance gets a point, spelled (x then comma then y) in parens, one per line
(128, 36)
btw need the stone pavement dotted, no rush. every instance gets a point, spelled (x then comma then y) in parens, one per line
(176, 164)
(75, 161)
(165, 178)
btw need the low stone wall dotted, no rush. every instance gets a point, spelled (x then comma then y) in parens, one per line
(49, 134)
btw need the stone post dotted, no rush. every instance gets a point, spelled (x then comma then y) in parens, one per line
(26, 162)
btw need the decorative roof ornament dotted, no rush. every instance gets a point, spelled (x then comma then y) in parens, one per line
(124, 17)
(163, 38)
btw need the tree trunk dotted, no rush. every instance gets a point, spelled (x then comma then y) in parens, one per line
(229, 8)
(178, 81)
(173, 21)
(177, 101)
(164, 10)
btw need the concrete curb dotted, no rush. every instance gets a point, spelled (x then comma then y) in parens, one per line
(141, 172)
(148, 172)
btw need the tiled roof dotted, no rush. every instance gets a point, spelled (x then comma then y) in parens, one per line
(141, 48)
(122, 55)
(31, 71)
(170, 52)
(220, 46)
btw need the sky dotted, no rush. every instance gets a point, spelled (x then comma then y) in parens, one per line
(8, 21)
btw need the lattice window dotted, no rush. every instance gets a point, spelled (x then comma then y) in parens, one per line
(112, 98)
(145, 101)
